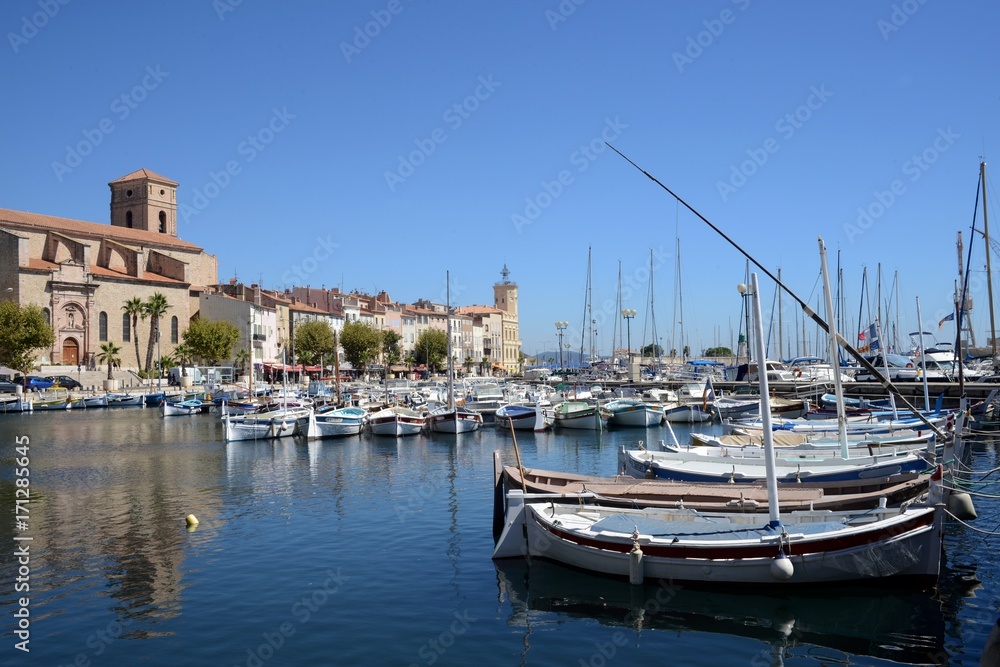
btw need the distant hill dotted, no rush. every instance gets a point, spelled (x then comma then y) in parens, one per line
(570, 358)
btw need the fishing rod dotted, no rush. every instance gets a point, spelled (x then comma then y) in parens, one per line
(881, 379)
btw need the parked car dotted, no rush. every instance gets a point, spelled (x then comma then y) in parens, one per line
(8, 387)
(64, 381)
(34, 382)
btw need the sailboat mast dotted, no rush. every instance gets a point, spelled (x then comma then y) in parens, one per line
(780, 340)
(451, 363)
(590, 303)
(616, 330)
(680, 292)
(989, 274)
(652, 316)
(834, 355)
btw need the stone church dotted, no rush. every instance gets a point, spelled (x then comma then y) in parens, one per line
(82, 273)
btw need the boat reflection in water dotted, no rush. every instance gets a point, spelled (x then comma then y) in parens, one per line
(874, 622)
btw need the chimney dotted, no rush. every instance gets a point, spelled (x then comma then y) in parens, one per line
(232, 281)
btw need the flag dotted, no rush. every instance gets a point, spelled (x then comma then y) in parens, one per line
(873, 334)
(947, 318)
(862, 335)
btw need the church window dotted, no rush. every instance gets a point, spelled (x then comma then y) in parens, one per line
(102, 326)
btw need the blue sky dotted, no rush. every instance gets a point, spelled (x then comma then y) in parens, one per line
(375, 145)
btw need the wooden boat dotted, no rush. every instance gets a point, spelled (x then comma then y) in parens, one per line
(98, 401)
(262, 425)
(454, 420)
(687, 413)
(14, 404)
(633, 412)
(699, 465)
(805, 547)
(190, 407)
(155, 399)
(335, 422)
(522, 417)
(396, 421)
(578, 415)
(727, 407)
(625, 491)
(787, 441)
(50, 404)
(124, 400)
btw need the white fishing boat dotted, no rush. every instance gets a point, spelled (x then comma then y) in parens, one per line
(335, 423)
(396, 421)
(522, 418)
(633, 412)
(190, 407)
(124, 400)
(96, 401)
(804, 547)
(14, 404)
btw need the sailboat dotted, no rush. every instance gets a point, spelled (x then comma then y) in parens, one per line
(677, 544)
(451, 418)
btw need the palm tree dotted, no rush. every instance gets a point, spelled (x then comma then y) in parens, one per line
(109, 355)
(136, 309)
(156, 306)
(184, 354)
(241, 359)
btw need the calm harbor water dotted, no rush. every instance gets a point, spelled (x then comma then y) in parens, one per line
(376, 551)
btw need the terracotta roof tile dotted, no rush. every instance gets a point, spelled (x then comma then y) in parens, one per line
(144, 173)
(38, 222)
(41, 264)
(306, 308)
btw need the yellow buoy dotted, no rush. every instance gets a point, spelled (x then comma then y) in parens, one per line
(191, 519)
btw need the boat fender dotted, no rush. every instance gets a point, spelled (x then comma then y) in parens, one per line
(192, 521)
(635, 569)
(909, 365)
(797, 372)
(960, 504)
(781, 567)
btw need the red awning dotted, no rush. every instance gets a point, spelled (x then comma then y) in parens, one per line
(281, 367)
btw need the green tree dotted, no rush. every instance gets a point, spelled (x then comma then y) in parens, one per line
(109, 355)
(390, 347)
(135, 308)
(718, 352)
(652, 351)
(156, 307)
(22, 331)
(361, 342)
(431, 349)
(211, 340)
(313, 341)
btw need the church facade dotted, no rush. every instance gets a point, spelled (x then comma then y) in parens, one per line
(82, 273)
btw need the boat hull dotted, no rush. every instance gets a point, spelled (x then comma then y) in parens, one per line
(908, 545)
(687, 414)
(455, 421)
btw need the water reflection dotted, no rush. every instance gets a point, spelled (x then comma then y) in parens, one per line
(849, 621)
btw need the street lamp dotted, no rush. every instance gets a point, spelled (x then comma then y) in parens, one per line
(561, 327)
(628, 314)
